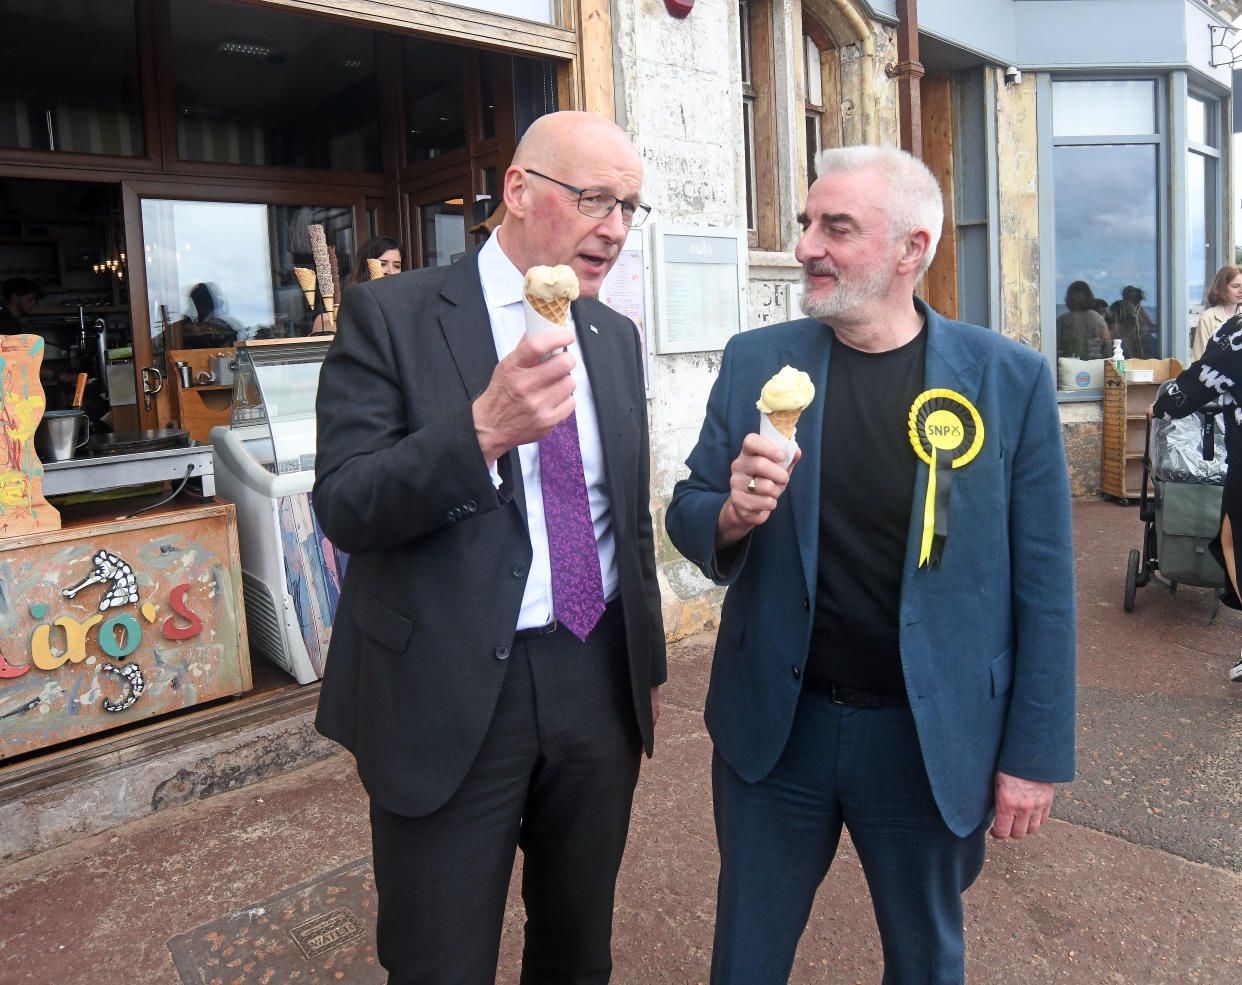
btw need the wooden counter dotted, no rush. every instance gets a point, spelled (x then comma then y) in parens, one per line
(108, 622)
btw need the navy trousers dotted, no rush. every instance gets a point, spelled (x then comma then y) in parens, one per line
(842, 766)
(556, 778)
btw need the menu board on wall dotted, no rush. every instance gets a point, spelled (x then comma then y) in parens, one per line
(700, 283)
(625, 289)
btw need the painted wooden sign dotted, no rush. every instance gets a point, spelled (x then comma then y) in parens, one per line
(108, 624)
(22, 506)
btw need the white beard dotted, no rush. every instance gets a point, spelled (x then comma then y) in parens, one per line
(848, 294)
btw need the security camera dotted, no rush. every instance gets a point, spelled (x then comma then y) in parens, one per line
(1013, 77)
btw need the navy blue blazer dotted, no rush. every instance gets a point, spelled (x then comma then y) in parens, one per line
(987, 637)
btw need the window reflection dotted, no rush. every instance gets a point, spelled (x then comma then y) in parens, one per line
(444, 232)
(261, 87)
(435, 92)
(222, 272)
(69, 77)
(1106, 227)
(1111, 107)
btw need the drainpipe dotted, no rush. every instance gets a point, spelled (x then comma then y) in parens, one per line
(907, 72)
(871, 131)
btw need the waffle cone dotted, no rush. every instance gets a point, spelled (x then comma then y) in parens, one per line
(785, 421)
(306, 280)
(374, 268)
(554, 310)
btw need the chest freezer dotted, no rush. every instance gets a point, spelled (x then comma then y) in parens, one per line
(265, 464)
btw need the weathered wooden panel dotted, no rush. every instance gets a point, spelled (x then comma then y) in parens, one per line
(938, 151)
(108, 624)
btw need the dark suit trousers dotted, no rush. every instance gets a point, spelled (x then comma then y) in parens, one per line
(555, 776)
(859, 768)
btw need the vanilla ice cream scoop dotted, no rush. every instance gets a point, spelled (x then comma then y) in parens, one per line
(549, 290)
(784, 397)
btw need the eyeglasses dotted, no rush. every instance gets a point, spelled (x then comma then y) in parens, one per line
(599, 204)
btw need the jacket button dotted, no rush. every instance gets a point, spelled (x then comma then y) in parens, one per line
(519, 571)
(452, 515)
(472, 506)
(806, 605)
(502, 651)
(797, 672)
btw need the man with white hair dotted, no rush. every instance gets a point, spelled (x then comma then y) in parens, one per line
(896, 646)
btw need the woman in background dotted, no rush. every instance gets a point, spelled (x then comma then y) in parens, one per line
(382, 248)
(1224, 296)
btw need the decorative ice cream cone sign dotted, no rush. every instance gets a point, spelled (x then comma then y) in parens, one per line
(306, 280)
(323, 263)
(375, 269)
(22, 506)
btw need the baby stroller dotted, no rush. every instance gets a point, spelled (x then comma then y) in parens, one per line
(1185, 462)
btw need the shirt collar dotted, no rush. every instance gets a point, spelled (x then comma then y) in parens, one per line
(502, 281)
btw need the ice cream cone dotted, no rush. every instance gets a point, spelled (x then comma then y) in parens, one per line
(785, 421)
(552, 309)
(306, 280)
(375, 268)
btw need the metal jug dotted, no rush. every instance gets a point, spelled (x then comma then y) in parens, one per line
(223, 367)
(57, 436)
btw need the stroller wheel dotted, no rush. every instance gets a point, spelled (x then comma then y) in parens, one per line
(1132, 573)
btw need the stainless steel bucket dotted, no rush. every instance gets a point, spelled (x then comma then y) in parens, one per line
(60, 434)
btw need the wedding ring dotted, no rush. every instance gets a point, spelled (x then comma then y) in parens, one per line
(751, 485)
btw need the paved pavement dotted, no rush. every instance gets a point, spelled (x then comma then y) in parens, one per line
(1138, 879)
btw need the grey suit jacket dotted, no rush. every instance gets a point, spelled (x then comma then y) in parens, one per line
(439, 556)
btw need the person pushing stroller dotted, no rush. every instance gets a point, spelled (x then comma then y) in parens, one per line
(1217, 376)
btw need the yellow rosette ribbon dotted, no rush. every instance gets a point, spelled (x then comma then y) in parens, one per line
(946, 432)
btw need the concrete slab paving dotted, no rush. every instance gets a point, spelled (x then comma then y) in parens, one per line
(1136, 880)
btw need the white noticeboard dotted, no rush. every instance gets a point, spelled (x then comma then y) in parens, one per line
(625, 290)
(700, 287)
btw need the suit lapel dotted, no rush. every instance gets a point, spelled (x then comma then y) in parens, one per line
(467, 330)
(605, 364)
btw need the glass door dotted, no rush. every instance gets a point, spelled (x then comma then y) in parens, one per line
(215, 273)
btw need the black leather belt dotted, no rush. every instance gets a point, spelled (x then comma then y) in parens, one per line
(610, 610)
(530, 634)
(841, 695)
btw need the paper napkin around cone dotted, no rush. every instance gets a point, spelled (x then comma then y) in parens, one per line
(790, 446)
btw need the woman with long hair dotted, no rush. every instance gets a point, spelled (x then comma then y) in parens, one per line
(1224, 297)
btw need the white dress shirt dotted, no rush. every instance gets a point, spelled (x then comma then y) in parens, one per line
(502, 292)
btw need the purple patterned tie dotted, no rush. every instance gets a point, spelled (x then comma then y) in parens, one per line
(577, 589)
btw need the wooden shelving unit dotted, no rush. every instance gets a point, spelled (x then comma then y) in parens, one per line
(1125, 424)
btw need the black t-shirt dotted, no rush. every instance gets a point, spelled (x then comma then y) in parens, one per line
(867, 473)
(10, 324)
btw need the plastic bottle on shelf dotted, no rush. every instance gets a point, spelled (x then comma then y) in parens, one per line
(1119, 358)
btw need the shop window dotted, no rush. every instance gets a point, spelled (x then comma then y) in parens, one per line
(434, 81)
(257, 86)
(1107, 222)
(1203, 197)
(222, 272)
(69, 77)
